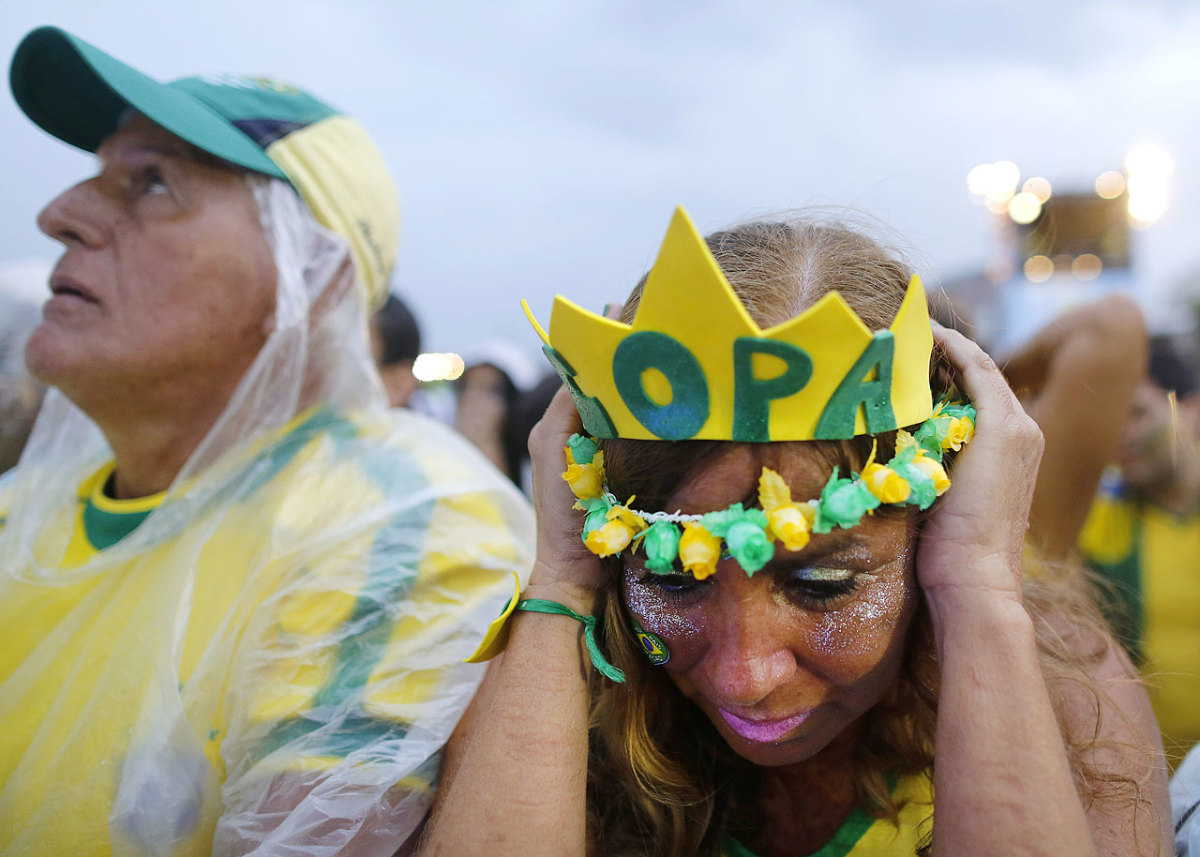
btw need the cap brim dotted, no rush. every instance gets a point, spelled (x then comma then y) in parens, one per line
(78, 93)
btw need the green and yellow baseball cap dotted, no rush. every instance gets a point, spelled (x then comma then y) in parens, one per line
(78, 93)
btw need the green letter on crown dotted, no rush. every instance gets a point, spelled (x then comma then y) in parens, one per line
(752, 396)
(595, 418)
(875, 396)
(687, 411)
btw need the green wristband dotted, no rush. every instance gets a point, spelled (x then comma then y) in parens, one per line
(541, 605)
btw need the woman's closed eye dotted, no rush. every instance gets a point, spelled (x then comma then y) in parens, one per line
(677, 587)
(822, 588)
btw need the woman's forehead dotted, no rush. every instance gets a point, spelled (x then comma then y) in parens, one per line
(732, 475)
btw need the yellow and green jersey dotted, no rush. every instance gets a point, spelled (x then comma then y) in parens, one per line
(1152, 558)
(863, 836)
(296, 636)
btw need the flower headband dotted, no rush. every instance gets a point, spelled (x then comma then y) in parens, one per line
(914, 477)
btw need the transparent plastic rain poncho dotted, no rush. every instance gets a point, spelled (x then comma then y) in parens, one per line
(271, 661)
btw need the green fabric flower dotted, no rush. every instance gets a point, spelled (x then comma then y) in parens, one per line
(843, 503)
(924, 492)
(744, 532)
(662, 547)
(597, 514)
(583, 448)
(749, 545)
(931, 434)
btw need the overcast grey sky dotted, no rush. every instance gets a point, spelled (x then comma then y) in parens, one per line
(540, 147)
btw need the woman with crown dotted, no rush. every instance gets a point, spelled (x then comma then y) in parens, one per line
(805, 641)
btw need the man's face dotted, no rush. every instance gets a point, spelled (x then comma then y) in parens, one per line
(167, 285)
(1157, 433)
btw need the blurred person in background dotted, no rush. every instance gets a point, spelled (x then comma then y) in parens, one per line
(529, 407)
(1143, 535)
(496, 373)
(1076, 377)
(236, 589)
(22, 288)
(395, 344)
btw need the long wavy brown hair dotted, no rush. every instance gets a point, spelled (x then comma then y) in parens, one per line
(662, 781)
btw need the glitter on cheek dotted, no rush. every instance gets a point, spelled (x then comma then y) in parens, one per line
(869, 622)
(654, 611)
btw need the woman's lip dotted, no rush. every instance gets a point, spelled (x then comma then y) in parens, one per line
(762, 731)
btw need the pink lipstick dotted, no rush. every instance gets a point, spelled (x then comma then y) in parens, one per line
(762, 731)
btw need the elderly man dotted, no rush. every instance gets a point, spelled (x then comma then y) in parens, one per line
(235, 590)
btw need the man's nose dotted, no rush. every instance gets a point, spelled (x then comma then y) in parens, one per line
(753, 654)
(75, 217)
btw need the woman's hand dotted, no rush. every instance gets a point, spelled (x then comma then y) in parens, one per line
(974, 539)
(564, 563)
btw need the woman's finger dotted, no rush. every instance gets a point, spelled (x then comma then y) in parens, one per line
(982, 378)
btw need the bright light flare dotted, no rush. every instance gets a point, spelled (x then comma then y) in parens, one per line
(979, 179)
(1024, 208)
(1039, 187)
(1110, 185)
(1148, 167)
(1005, 176)
(1087, 266)
(1038, 269)
(995, 183)
(435, 366)
(1148, 202)
(1150, 160)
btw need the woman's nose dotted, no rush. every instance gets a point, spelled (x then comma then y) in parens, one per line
(74, 217)
(753, 654)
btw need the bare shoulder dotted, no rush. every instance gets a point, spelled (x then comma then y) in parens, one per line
(1113, 736)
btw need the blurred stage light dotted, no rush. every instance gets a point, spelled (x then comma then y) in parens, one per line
(1150, 160)
(979, 179)
(1148, 202)
(1110, 185)
(435, 366)
(1024, 208)
(1149, 168)
(1038, 269)
(1005, 176)
(995, 183)
(1039, 187)
(1087, 267)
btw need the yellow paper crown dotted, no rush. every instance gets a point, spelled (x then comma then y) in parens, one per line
(694, 365)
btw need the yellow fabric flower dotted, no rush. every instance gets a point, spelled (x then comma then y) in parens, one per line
(787, 521)
(628, 517)
(699, 550)
(903, 441)
(621, 526)
(790, 525)
(885, 483)
(959, 432)
(586, 480)
(934, 470)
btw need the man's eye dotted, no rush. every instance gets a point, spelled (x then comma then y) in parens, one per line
(149, 180)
